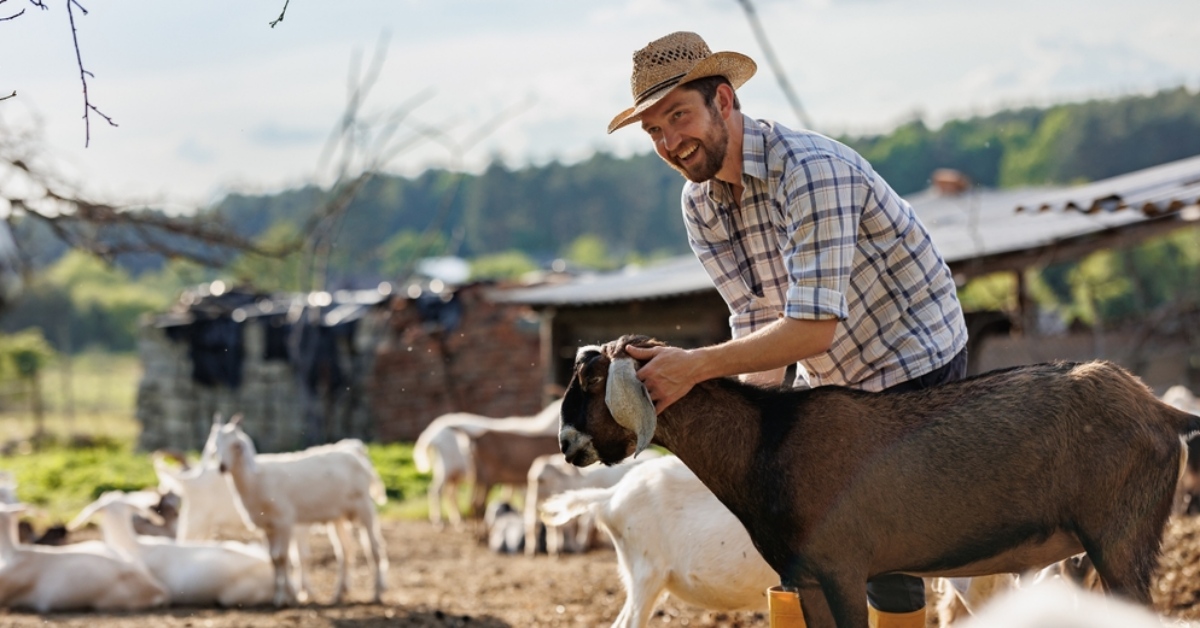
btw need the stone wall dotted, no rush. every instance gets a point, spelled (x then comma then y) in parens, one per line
(176, 412)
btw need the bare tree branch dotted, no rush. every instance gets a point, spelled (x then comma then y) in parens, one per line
(780, 74)
(88, 107)
(31, 190)
(360, 148)
(12, 95)
(281, 13)
(366, 144)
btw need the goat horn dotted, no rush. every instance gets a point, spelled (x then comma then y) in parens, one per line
(629, 402)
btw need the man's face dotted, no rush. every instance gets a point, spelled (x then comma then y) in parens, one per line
(688, 135)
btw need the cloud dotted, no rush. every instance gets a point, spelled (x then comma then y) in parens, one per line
(273, 135)
(193, 151)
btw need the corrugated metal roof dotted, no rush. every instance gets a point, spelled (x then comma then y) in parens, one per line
(984, 223)
(675, 277)
(1153, 191)
(977, 224)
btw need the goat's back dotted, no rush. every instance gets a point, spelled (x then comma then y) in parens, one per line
(1015, 453)
(320, 485)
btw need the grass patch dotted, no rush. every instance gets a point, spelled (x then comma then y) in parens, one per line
(90, 435)
(60, 479)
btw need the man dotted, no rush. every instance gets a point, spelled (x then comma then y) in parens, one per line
(821, 263)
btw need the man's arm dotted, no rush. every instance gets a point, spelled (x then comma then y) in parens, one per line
(671, 372)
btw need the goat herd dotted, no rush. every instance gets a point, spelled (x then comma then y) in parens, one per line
(335, 485)
(668, 529)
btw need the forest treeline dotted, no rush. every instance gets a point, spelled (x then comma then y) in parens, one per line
(632, 205)
(600, 212)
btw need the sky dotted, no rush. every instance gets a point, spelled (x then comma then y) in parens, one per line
(210, 99)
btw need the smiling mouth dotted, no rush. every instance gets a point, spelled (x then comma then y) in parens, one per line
(684, 154)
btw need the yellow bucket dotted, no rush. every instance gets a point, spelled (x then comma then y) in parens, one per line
(784, 606)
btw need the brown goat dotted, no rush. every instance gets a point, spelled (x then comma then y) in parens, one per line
(504, 458)
(1003, 472)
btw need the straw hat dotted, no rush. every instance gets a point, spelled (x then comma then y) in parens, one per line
(671, 61)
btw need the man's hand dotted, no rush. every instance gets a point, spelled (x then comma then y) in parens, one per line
(669, 375)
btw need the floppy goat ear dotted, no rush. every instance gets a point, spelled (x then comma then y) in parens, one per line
(629, 402)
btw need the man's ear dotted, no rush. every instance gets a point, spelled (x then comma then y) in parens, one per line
(724, 100)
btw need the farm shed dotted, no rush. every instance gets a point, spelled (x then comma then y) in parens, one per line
(453, 351)
(673, 301)
(979, 231)
(295, 366)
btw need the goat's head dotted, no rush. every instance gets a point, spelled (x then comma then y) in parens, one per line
(624, 423)
(233, 447)
(117, 504)
(209, 452)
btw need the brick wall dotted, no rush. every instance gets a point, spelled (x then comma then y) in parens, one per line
(488, 364)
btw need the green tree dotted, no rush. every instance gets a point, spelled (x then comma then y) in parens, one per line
(81, 301)
(400, 253)
(589, 251)
(506, 265)
(273, 274)
(24, 356)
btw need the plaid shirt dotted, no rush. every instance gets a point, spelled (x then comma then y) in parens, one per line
(820, 235)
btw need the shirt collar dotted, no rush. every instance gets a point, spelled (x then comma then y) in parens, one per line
(754, 151)
(754, 161)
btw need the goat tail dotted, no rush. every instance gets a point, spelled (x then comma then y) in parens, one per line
(378, 490)
(559, 509)
(421, 452)
(1190, 425)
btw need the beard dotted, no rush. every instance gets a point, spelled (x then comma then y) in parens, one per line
(713, 147)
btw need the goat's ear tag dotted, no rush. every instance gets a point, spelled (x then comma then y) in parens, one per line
(629, 402)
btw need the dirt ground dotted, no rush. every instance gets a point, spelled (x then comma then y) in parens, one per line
(449, 578)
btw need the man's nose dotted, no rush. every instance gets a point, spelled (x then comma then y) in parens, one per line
(670, 140)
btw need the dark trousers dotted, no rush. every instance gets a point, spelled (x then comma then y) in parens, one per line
(898, 593)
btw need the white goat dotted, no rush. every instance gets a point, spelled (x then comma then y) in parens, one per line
(1056, 603)
(210, 508)
(227, 573)
(671, 533)
(327, 484)
(59, 578)
(550, 475)
(207, 509)
(444, 451)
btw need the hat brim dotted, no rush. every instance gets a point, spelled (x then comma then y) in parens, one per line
(736, 67)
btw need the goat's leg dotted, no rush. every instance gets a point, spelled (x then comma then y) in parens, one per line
(532, 520)
(450, 496)
(642, 593)
(1125, 569)
(1124, 552)
(373, 542)
(337, 535)
(278, 540)
(299, 552)
(555, 541)
(814, 606)
(436, 486)
(479, 493)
